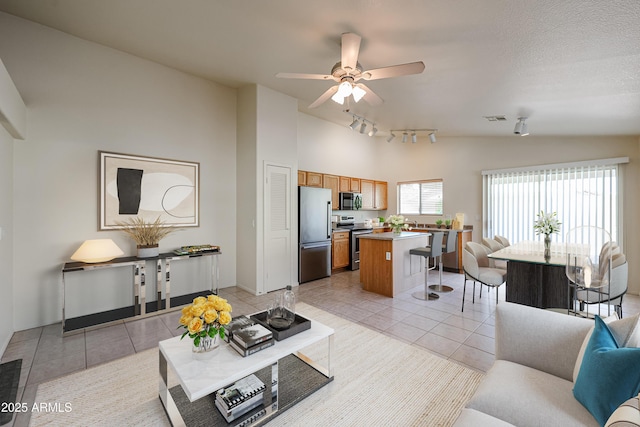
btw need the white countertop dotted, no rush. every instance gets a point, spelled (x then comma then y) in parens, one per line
(392, 236)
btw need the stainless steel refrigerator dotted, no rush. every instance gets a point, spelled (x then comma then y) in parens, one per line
(314, 233)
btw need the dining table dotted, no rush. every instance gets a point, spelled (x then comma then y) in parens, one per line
(533, 279)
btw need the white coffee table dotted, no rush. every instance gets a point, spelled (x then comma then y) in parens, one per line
(200, 378)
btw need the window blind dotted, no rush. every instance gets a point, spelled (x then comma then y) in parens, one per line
(420, 197)
(582, 194)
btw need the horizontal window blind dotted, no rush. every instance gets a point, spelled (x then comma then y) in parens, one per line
(582, 194)
(420, 197)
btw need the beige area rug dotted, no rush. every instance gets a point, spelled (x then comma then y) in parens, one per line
(378, 381)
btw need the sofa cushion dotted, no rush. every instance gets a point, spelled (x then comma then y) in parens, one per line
(525, 396)
(472, 418)
(608, 375)
(627, 414)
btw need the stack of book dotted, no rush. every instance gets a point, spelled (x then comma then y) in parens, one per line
(247, 336)
(241, 397)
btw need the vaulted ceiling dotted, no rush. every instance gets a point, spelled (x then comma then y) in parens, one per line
(571, 66)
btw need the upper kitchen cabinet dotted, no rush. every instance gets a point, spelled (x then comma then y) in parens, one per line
(314, 179)
(368, 194)
(345, 184)
(302, 178)
(333, 183)
(355, 185)
(380, 195)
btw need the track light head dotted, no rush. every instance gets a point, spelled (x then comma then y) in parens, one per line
(363, 126)
(391, 137)
(373, 131)
(404, 137)
(414, 138)
(521, 127)
(432, 137)
(354, 124)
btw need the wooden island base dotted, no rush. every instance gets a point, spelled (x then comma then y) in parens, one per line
(386, 267)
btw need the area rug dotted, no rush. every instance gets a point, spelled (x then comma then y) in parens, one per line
(378, 381)
(9, 380)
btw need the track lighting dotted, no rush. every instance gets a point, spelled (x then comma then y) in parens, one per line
(414, 134)
(521, 127)
(373, 131)
(362, 122)
(363, 126)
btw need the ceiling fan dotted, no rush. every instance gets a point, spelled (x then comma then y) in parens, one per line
(348, 72)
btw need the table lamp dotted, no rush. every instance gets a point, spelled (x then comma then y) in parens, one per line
(98, 250)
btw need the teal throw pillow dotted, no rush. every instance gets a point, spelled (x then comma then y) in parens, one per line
(608, 375)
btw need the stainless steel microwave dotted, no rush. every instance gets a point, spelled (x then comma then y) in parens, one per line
(350, 201)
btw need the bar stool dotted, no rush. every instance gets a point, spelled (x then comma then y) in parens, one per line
(449, 247)
(433, 251)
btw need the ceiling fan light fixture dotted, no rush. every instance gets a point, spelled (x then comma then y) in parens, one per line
(391, 137)
(345, 89)
(358, 93)
(338, 98)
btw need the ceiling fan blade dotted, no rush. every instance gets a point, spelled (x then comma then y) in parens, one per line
(350, 50)
(394, 71)
(370, 96)
(304, 76)
(328, 94)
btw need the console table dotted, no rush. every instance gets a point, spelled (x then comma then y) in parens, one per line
(140, 306)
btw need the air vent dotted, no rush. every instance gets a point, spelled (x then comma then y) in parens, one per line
(495, 118)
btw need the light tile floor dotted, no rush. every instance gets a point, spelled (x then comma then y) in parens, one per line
(438, 326)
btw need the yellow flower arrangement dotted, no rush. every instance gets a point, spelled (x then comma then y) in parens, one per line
(205, 317)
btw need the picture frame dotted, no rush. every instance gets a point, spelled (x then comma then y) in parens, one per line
(148, 187)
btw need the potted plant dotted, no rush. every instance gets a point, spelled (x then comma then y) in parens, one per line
(447, 223)
(439, 223)
(147, 235)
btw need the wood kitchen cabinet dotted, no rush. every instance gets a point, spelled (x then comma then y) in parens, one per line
(302, 178)
(332, 182)
(355, 185)
(368, 194)
(380, 195)
(340, 249)
(314, 179)
(345, 184)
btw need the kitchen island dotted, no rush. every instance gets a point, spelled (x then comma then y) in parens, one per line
(385, 263)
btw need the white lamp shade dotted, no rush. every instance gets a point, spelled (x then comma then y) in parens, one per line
(98, 250)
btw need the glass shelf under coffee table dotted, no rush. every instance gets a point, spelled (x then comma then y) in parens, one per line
(201, 378)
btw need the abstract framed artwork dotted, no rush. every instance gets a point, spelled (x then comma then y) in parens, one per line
(148, 187)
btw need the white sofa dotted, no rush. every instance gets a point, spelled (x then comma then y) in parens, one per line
(531, 381)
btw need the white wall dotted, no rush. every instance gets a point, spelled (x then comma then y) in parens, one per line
(267, 124)
(6, 238)
(459, 162)
(83, 97)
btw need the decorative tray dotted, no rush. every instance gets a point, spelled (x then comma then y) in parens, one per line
(299, 324)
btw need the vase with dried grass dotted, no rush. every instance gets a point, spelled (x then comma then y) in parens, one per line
(147, 235)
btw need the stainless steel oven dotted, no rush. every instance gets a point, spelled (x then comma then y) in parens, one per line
(355, 247)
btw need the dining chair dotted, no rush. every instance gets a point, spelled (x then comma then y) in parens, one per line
(502, 240)
(493, 246)
(617, 286)
(477, 268)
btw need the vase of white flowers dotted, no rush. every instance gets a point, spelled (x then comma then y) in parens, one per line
(397, 223)
(547, 224)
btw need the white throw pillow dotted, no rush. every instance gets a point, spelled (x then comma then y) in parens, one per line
(627, 414)
(625, 331)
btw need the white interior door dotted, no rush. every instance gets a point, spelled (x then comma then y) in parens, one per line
(277, 238)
